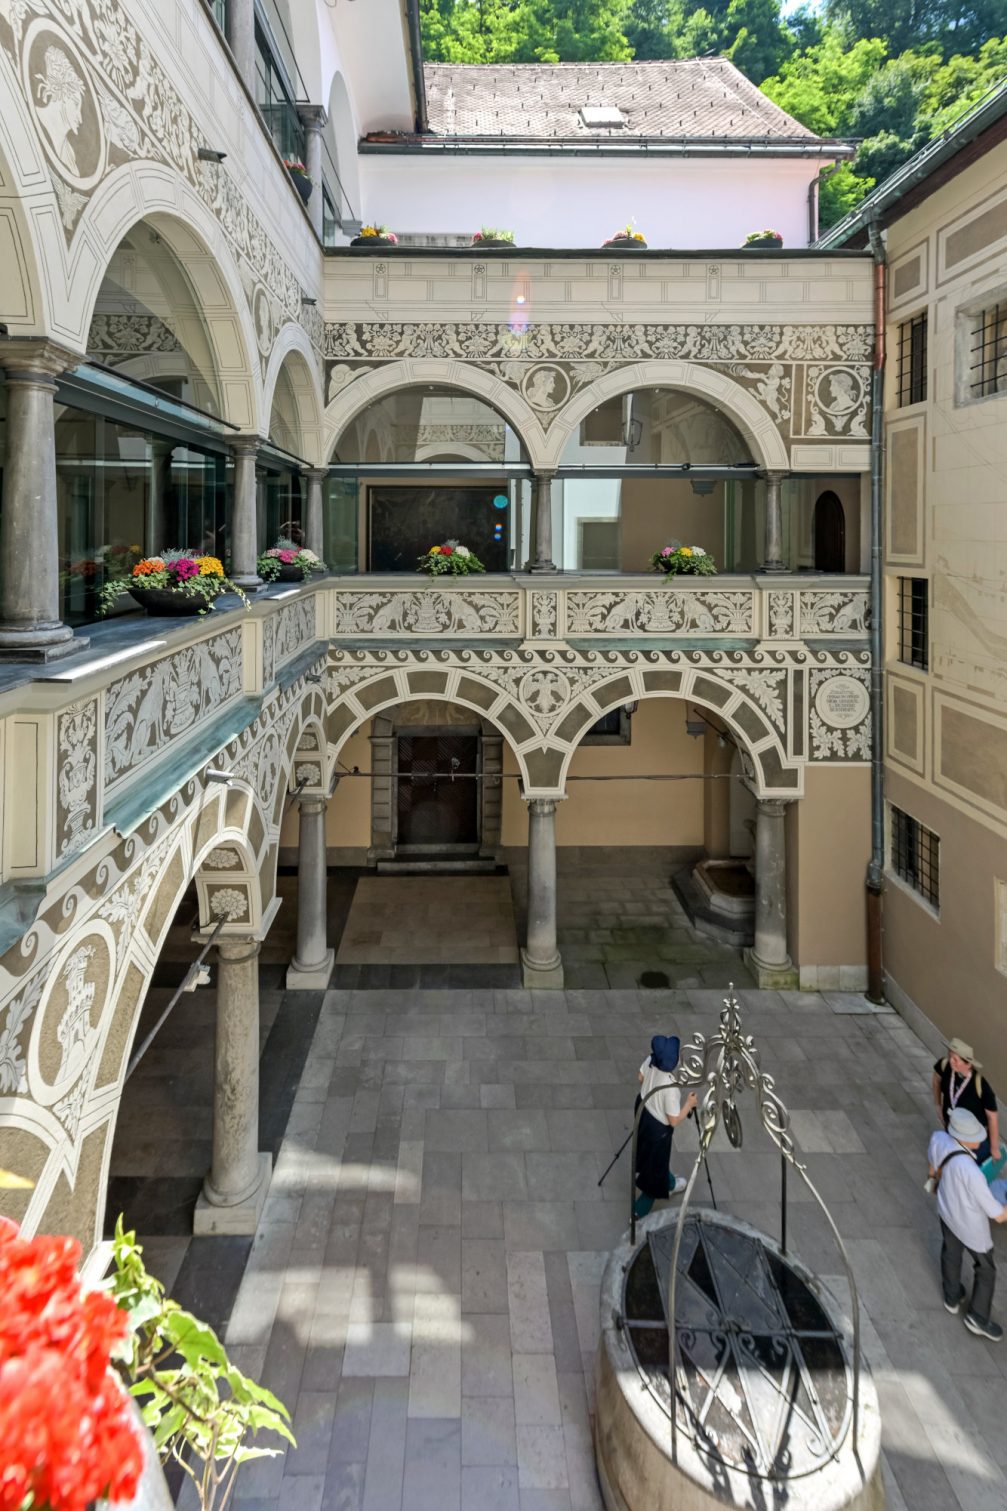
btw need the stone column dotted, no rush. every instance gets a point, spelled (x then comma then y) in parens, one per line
(313, 118)
(769, 960)
(540, 960)
(244, 515)
(542, 515)
(235, 1189)
(159, 537)
(773, 548)
(239, 29)
(30, 626)
(312, 964)
(314, 522)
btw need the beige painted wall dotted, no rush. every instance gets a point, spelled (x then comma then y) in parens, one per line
(348, 818)
(828, 847)
(625, 813)
(946, 964)
(946, 522)
(655, 511)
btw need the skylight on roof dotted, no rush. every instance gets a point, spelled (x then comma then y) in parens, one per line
(602, 115)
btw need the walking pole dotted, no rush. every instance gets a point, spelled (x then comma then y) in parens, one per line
(615, 1156)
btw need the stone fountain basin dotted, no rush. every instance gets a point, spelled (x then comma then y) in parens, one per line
(633, 1427)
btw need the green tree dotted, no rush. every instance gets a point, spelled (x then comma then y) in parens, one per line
(648, 28)
(819, 86)
(956, 25)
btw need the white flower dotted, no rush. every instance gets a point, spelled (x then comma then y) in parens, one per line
(462, 551)
(308, 555)
(698, 551)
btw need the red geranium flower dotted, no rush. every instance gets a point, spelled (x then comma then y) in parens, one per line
(65, 1421)
(447, 550)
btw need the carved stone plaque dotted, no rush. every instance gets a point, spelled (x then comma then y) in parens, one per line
(842, 702)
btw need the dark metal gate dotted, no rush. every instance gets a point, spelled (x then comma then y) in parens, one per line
(438, 794)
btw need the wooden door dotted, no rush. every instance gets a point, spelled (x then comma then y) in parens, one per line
(438, 796)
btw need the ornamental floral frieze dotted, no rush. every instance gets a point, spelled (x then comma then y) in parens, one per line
(99, 98)
(284, 634)
(423, 611)
(662, 611)
(77, 775)
(130, 335)
(148, 708)
(834, 612)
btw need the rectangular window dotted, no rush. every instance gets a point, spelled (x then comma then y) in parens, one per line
(598, 545)
(218, 9)
(275, 100)
(613, 728)
(604, 425)
(915, 856)
(912, 363)
(914, 622)
(988, 352)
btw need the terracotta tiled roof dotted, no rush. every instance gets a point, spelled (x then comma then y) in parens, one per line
(695, 97)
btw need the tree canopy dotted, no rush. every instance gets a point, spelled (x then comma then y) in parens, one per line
(891, 73)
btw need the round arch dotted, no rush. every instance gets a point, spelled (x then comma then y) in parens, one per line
(341, 135)
(689, 377)
(144, 192)
(360, 392)
(468, 690)
(761, 745)
(292, 354)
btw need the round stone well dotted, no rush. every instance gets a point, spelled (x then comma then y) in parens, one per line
(764, 1379)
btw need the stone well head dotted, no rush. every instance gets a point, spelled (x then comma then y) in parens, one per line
(727, 1374)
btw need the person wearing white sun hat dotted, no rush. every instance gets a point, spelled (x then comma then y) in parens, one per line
(965, 1206)
(957, 1082)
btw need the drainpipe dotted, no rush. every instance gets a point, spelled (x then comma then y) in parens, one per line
(875, 869)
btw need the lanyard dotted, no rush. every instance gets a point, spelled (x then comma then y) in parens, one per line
(953, 1095)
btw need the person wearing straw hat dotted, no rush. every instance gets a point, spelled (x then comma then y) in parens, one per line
(965, 1206)
(661, 1115)
(957, 1082)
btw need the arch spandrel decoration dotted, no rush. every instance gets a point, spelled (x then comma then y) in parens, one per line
(544, 703)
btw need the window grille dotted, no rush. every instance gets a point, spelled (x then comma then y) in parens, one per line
(914, 622)
(988, 352)
(912, 364)
(915, 856)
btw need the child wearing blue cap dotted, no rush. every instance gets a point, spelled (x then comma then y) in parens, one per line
(661, 1114)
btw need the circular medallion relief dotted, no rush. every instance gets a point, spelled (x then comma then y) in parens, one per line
(66, 1028)
(842, 702)
(544, 692)
(63, 103)
(545, 387)
(262, 318)
(839, 392)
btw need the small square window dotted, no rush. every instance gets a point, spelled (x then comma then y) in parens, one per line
(912, 361)
(988, 352)
(613, 728)
(915, 856)
(604, 425)
(914, 622)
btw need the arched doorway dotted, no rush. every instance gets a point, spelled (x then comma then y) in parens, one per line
(829, 533)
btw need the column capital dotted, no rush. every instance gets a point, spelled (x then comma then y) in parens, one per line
(32, 359)
(775, 807)
(542, 807)
(773, 474)
(315, 474)
(313, 117)
(544, 474)
(312, 802)
(247, 445)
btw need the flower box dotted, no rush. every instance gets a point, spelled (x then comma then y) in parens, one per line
(633, 242)
(174, 583)
(288, 562)
(449, 560)
(375, 236)
(168, 602)
(683, 561)
(299, 177)
(490, 236)
(768, 240)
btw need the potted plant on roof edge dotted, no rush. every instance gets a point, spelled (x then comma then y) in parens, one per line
(173, 583)
(627, 237)
(489, 236)
(299, 177)
(375, 236)
(288, 562)
(771, 240)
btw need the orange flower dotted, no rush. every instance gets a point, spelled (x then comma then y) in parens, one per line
(147, 566)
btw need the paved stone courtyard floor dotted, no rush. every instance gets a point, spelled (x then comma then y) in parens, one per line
(423, 1287)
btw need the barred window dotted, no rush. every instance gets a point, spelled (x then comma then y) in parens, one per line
(914, 622)
(912, 364)
(916, 856)
(988, 352)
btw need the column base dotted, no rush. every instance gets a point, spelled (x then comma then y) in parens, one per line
(772, 978)
(541, 566)
(250, 584)
(774, 566)
(46, 643)
(310, 978)
(241, 1219)
(541, 977)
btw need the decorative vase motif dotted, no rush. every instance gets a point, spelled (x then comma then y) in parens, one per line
(303, 185)
(169, 602)
(772, 242)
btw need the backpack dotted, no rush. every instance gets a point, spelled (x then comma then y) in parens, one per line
(933, 1181)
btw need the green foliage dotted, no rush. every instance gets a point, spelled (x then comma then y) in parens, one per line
(891, 73)
(200, 1410)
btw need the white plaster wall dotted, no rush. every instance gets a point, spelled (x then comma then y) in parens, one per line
(580, 202)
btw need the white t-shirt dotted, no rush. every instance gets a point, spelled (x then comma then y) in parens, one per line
(666, 1103)
(964, 1200)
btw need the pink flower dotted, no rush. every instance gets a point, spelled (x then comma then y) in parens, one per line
(667, 551)
(287, 557)
(184, 568)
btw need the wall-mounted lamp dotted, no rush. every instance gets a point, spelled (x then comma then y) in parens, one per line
(306, 299)
(210, 155)
(633, 434)
(703, 487)
(694, 724)
(218, 778)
